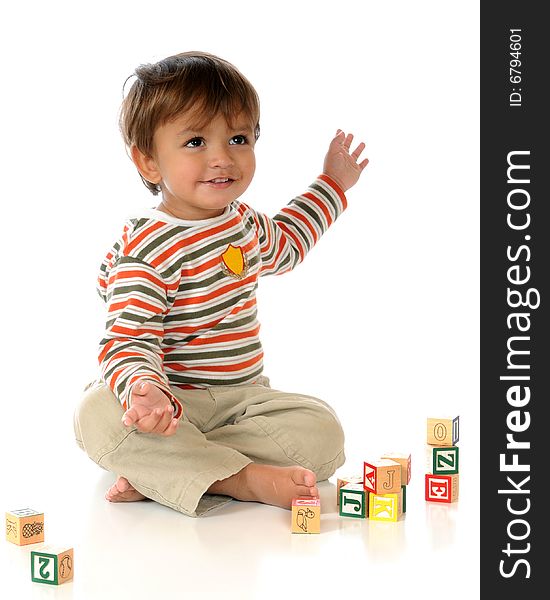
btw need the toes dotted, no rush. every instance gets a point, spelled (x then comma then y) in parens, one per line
(304, 477)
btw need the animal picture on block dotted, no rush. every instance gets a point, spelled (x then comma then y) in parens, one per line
(385, 507)
(382, 476)
(441, 488)
(306, 515)
(24, 526)
(52, 565)
(442, 432)
(353, 501)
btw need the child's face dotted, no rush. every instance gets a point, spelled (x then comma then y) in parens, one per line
(201, 171)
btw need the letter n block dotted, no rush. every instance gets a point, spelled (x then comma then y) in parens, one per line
(382, 476)
(442, 432)
(24, 526)
(441, 488)
(306, 515)
(385, 507)
(52, 565)
(353, 501)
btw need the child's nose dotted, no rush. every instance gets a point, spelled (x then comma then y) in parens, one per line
(220, 157)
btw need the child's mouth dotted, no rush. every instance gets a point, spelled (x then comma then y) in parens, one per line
(219, 182)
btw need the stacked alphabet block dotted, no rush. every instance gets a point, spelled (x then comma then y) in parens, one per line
(380, 494)
(441, 479)
(52, 565)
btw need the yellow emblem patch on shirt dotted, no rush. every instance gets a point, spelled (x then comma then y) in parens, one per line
(234, 262)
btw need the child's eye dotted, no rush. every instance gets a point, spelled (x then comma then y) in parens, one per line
(238, 140)
(194, 143)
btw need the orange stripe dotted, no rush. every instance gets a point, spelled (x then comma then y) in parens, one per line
(336, 188)
(301, 218)
(225, 337)
(134, 332)
(321, 205)
(138, 239)
(115, 306)
(294, 237)
(139, 274)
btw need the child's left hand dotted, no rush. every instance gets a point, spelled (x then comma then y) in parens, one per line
(342, 166)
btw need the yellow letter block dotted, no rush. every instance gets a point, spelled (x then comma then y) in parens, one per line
(24, 526)
(385, 507)
(306, 515)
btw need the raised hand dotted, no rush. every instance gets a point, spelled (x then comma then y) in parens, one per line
(340, 164)
(151, 410)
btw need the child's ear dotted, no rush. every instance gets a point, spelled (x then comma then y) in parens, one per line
(146, 165)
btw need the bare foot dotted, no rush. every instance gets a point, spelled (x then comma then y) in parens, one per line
(268, 484)
(123, 491)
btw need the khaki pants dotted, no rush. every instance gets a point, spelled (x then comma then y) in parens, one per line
(223, 429)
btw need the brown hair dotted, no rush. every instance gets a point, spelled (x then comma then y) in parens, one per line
(191, 80)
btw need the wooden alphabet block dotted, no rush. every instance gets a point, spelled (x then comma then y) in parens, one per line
(52, 565)
(442, 460)
(306, 515)
(404, 498)
(343, 481)
(353, 501)
(382, 476)
(385, 507)
(442, 432)
(405, 461)
(24, 526)
(441, 488)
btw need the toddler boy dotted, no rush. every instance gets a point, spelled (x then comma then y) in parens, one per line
(182, 412)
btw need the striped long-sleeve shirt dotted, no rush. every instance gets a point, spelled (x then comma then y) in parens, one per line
(181, 295)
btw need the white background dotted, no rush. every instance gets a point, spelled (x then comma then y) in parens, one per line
(381, 320)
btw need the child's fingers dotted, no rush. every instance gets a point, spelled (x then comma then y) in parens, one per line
(172, 427)
(147, 423)
(130, 417)
(165, 419)
(355, 154)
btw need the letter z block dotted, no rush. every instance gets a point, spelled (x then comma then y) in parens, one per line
(353, 501)
(24, 526)
(442, 460)
(52, 565)
(382, 476)
(306, 515)
(442, 432)
(441, 488)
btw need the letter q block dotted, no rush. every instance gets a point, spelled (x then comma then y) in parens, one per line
(24, 526)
